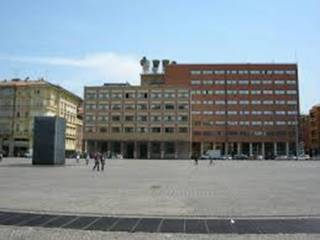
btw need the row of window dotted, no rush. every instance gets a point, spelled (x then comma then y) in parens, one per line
(243, 133)
(241, 82)
(244, 123)
(158, 106)
(245, 102)
(244, 113)
(243, 92)
(141, 118)
(132, 95)
(243, 72)
(138, 130)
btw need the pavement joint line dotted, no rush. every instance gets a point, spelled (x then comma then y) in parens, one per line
(27, 220)
(136, 225)
(114, 224)
(206, 225)
(90, 224)
(160, 225)
(71, 221)
(50, 220)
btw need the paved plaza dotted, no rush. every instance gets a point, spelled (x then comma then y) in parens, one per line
(160, 188)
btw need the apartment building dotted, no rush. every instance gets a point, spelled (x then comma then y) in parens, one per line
(314, 130)
(241, 108)
(22, 100)
(138, 121)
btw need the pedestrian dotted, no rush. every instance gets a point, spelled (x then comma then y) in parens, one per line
(195, 158)
(96, 162)
(102, 161)
(87, 156)
(1, 156)
(211, 161)
(78, 157)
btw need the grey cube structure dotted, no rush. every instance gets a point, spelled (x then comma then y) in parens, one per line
(49, 141)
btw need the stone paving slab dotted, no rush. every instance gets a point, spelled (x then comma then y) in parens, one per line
(37, 233)
(169, 225)
(164, 188)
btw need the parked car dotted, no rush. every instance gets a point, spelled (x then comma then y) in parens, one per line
(240, 157)
(204, 157)
(304, 157)
(281, 157)
(227, 157)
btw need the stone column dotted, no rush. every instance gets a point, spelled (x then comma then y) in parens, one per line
(135, 150)
(95, 146)
(250, 149)
(226, 148)
(162, 150)
(275, 149)
(11, 147)
(176, 153)
(201, 148)
(263, 150)
(287, 149)
(1, 144)
(149, 150)
(214, 145)
(110, 146)
(122, 146)
(238, 148)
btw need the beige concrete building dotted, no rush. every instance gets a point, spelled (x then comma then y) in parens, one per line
(138, 121)
(22, 100)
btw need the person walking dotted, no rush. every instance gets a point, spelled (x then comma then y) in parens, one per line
(78, 157)
(96, 162)
(102, 161)
(87, 156)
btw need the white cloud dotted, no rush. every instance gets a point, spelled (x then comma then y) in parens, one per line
(108, 66)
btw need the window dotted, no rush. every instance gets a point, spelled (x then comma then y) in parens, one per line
(169, 118)
(244, 102)
(220, 112)
(280, 123)
(256, 102)
(220, 92)
(268, 123)
(169, 95)
(103, 106)
(169, 130)
(255, 82)
(232, 112)
(232, 92)
(142, 106)
(156, 106)
(255, 92)
(156, 95)
(280, 102)
(102, 118)
(182, 130)
(243, 92)
(266, 82)
(256, 123)
(195, 72)
(142, 129)
(291, 82)
(279, 82)
(267, 92)
(207, 72)
(169, 106)
(129, 118)
(115, 118)
(219, 82)
(155, 129)
(155, 118)
(103, 95)
(244, 82)
(142, 118)
(115, 129)
(232, 102)
(182, 118)
(143, 95)
(115, 106)
(256, 113)
(129, 107)
(207, 82)
(280, 113)
(231, 82)
(183, 106)
(130, 95)
(279, 92)
(103, 129)
(268, 113)
(292, 102)
(128, 129)
(267, 102)
(291, 92)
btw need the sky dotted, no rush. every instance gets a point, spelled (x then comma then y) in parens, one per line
(77, 43)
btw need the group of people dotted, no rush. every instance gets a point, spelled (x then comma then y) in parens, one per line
(99, 159)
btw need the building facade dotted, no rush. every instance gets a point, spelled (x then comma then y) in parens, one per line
(138, 121)
(241, 108)
(22, 100)
(304, 125)
(314, 132)
(250, 109)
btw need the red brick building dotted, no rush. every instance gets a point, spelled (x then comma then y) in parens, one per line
(241, 108)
